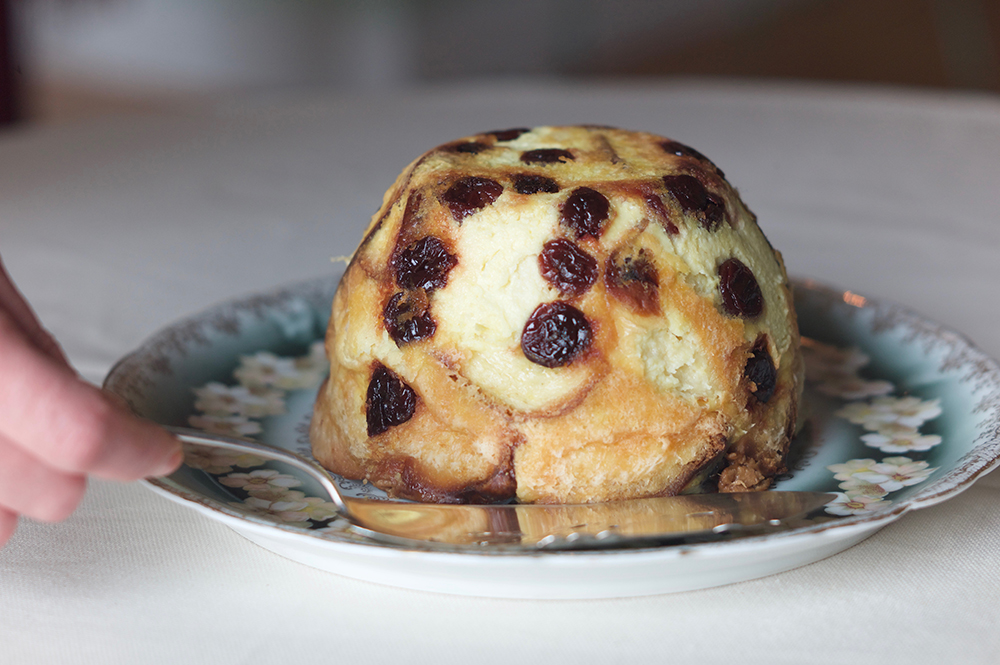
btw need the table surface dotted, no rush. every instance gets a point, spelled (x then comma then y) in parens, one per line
(115, 228)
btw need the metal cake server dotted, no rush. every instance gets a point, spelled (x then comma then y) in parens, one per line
(633, 523)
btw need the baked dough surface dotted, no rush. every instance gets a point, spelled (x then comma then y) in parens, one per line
(561, 315)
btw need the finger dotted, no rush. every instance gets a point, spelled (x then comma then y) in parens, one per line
(17, 308)
(8, 522)
(71, 425)
(29, 487)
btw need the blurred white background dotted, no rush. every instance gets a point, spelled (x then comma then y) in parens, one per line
(80, 57)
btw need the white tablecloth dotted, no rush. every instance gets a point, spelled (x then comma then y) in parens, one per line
(116, 228)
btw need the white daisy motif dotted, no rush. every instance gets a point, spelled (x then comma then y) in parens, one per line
(911, 411)
(895, 473)
(319, 509)
(234, 426)
(901, 442)
(892, 430)
(315, 361)
(220, 400)
(856, 486)
(852, 467)
(822, 359)
(262, 483)
(218, 461)
(866, 414)
(902, 411)
(852, 386)
(290, 509)
(845, 505)
(313, 366)
(294, 508)
(893, 425)
(264, 369)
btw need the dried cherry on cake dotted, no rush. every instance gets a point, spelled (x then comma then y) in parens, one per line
(389, 401)
(688, 190)
(424, 265)
(508, 134)
(692, 196)
(681, 150)
(546, 156)
(407, 317)
(715, 212)
(528, 183)
(555, 334)
(760, 371)
(741, 295)
(567, 267)
(470, 147)
(585, 212)
(471, 194)
(633, 280)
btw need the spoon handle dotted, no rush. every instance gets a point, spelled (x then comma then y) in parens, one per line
(203, 439)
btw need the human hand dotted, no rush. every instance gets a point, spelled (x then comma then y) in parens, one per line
(56, 429)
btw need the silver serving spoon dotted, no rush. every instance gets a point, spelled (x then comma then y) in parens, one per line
(634, 523)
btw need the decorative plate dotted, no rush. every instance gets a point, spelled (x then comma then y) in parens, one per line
(899, 414)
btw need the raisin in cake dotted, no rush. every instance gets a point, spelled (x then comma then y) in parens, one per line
(563, 315)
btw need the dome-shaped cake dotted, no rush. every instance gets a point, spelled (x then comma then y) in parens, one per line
(563, 315)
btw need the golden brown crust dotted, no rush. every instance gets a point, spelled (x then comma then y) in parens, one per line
(440, 389)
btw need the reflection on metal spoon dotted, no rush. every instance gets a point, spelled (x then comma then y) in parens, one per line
(633, 523)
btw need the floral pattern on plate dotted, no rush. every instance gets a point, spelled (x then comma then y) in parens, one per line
(877, 373)
(263, 383)
(893, 425)
(264, 380)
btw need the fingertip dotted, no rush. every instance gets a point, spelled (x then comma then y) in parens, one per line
(164, 449)
(134, 447)
(171, 462)
(161, 450)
